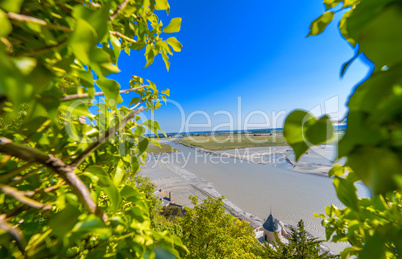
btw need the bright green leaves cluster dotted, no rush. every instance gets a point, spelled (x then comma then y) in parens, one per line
(209, 232)
(52, 62)
(372, 142)
(302, 130)
(372, 228)
(376, 26)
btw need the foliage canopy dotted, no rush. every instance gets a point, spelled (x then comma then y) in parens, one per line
(209, 232)
(65, 172)
(300, 246)
(373, 139)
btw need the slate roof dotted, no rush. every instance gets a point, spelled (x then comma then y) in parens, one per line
(271, 224)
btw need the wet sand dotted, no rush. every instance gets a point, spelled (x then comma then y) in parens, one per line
(318, 160)
(253, 187)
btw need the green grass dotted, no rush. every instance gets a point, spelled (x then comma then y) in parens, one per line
(165, 148)
(223, 142)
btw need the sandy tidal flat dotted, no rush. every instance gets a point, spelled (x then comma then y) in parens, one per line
(318, 160)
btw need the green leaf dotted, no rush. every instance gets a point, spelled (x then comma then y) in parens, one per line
(137, 46)
(336, 170)
(150, 53)
(166, 92)
(374, 248)
(82, 41)
(153, 126)
(319, 24)
(162, 5)
(107, 185)
(376, 26)
(86, 79)
(174, 43)
(139, 131)
(96, 18)
(134, 101)
(166, 60)
(302, 130)
(346, 193)
(64, 221)
(130, 193)
(142, 145)
(376, 167)
(93, 224)
(320, 131)
(111, 89)
(116, 47)
(331, 3)
(174, 26)
(155, 142)
(11, 6)
(119, 173)
(101, 62)
(6, 27)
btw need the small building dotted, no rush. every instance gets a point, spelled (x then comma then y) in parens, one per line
(165, 199)
(271, 227)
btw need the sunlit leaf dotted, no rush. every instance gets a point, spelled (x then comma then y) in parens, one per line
(82, 41)
(11, 5)
(319, 24)
(174, 43)
(346, 192)
(6, 26)
(153, 126)
(302, 130)
(174, 26)
(111, 89)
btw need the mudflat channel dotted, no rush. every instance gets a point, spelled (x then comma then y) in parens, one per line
(259, 189)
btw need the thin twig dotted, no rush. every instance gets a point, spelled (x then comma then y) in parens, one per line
(119, 9)
(22, 197)
(23, 177)
(105, 137)
(30, 19)
(66, 172)
(96, 5)
(14, 172)
(14, 232)
(116, 33)
(78, 96)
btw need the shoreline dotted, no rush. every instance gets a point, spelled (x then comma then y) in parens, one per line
(316, 161)
(183, 183)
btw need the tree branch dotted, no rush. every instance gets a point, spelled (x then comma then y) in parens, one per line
(66, 172)
(22, 197)
(79, 96)
(30, 19)
(105, 137)
(119, 9)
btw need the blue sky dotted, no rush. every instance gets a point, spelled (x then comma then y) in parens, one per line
(253, 50)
